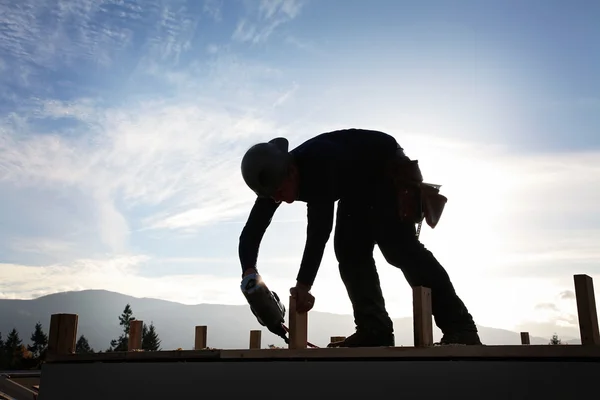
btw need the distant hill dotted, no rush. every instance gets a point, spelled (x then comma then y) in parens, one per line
(228, 326)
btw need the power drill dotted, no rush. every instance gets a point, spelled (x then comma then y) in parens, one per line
(265, 305)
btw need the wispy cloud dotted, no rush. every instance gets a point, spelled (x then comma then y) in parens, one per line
(262, 21)
(169, 162)
(213, 8)
(40, 245)
(148, 155)
(70, 33)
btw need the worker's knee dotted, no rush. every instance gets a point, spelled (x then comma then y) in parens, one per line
(406, 253)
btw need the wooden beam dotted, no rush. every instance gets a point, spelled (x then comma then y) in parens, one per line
(586, 309)
(62, 336)
(135, 335)
(525, 338)
(200, 339)
(298, 327)
(255, 339)
(489, 352)
(422, 317)
(15, 390)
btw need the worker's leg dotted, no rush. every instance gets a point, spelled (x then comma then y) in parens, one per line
(401, 248)
(354, 244)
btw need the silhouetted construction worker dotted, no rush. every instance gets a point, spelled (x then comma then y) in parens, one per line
(380, 192)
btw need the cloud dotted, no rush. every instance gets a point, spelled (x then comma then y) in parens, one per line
(558, 317)
(40, 245)
(260, 24)
(146, 161)
(72, 33)
(153, 154)
(97, 41)
(213, 9)
(122, 274)
(547, 306)
(567, 295)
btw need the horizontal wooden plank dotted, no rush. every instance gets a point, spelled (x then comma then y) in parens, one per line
(536, 351)
(530, 351)
(166, 355)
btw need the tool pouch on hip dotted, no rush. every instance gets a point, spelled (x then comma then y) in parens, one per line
(416, 200)
(406, 176)
(410, 206)
(433, 204)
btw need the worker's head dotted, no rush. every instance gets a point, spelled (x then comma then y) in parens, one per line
(268, 169)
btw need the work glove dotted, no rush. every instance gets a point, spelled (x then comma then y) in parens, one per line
(304, 300)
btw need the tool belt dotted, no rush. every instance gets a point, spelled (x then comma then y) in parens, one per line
(416, 200)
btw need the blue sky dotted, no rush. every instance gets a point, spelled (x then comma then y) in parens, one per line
(123, 125)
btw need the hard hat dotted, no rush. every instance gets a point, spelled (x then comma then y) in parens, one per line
(265, 166)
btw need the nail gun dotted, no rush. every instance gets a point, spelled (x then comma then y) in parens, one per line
(265, 305)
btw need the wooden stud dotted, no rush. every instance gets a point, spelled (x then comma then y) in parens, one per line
(255, 339)
(62, 336)
(422, 317)
(135, 335)
(337, 339)
(298, 327)
(200, 339)
(586, 310)
(525, 338)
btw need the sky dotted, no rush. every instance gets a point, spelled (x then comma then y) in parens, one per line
(123, 124)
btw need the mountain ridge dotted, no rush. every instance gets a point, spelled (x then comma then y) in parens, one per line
(99, 309)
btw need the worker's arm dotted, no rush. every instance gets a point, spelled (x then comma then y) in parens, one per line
(258, 221)
(320, 224)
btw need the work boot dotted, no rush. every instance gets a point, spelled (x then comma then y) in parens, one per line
(367, 338)
(467, 338)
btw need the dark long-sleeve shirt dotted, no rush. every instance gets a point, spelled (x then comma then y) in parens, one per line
(331, 166)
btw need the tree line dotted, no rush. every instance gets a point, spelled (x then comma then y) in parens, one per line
(14, 355)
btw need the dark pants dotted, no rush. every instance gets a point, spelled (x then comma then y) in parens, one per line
(363, 223)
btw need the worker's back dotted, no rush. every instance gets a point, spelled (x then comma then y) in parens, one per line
(343, 162)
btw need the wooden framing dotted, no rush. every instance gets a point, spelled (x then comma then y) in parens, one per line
(135, 335)
(422, 318)
(586, 310)
(200, 337)
(63, 331)
(255, 339)
(400, 353)
(62, 336)
(298, 327)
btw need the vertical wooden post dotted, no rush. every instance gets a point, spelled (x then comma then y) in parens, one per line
(200, 339)
(422, 317)
(298, 327)
(255, 339)
(62, 336)
(525, 338)
(135, 335)
(586, 310)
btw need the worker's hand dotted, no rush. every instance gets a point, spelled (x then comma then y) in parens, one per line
(304, 300)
